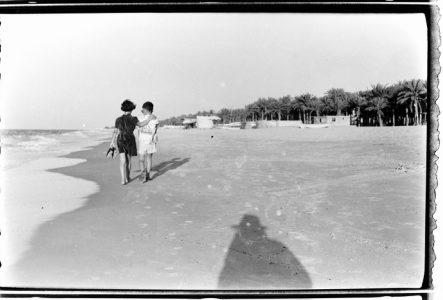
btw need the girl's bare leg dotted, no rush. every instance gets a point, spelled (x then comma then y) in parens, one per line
(142, 162)
(142, 167)
(123, 167)
(149, 163)
(128, 167)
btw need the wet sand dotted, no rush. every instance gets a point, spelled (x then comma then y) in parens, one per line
(321, 208)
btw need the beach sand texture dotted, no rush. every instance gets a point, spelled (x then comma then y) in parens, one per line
(342, 207)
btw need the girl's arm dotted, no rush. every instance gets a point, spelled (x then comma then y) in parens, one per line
(151, 117)
(114, 136)
(155, 132)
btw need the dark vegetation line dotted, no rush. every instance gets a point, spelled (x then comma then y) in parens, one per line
(400, 104)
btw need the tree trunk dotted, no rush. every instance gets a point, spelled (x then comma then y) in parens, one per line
(407, 117)
(419, 114)
(358, 117)
(380, 119)
(415, 113)
(299, 115)
(262, 115)
(279, 116)
(393, 117)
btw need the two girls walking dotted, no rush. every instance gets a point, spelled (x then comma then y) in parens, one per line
(124, 138)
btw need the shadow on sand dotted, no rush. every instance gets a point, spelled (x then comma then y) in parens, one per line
(256, 262)
(166, 166)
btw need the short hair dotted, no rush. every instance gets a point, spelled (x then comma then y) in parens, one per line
(148, 106)
(127, 105)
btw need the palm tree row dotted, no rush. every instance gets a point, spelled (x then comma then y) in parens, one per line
(403, 103)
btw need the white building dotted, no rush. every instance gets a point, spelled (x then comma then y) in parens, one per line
(333, 120)
(207, 121)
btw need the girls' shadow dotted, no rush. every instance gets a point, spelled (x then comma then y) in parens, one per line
(166, 166)
(256, 262)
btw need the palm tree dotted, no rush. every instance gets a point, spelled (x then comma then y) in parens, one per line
(306, 106)
(394, 91)
(225, 114)
(252, 109)
(357, 102)
(377, 105)
(288, 101)
(296, 105)
(262, 104)
(282, 105)
(413, 93)
(272, 105)
(380, 91)
(317, 105)
(336, 98)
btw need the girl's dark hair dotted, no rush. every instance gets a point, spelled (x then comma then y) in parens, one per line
(148, 106)
(127, 105)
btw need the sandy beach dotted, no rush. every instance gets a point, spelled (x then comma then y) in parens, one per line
(340, 207)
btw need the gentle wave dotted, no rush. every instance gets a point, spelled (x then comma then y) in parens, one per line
(23, 146)
(78, 133)
(49, 140)
(37, 143)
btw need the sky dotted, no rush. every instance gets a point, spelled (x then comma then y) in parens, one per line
(72, 71)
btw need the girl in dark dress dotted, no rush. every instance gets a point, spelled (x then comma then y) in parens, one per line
(124, 134)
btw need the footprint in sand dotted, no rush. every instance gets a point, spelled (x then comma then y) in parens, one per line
(174, 213)
(144, 225)
(139, 216)
(169, 268)
(180, 205)
(147, 207)
(177, 248)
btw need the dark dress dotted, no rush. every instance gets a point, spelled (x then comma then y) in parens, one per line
(126, 139)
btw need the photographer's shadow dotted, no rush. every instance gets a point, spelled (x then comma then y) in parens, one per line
(166, 166)
(256, 262)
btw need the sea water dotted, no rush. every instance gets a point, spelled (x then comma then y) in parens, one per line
(21, 146)
(30, 195)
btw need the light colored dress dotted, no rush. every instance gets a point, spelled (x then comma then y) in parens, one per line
(145, 143)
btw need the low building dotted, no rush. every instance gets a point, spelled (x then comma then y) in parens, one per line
(285, 123)
(333, 120)
(207, 121)
(276, 123)
(189, 123)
